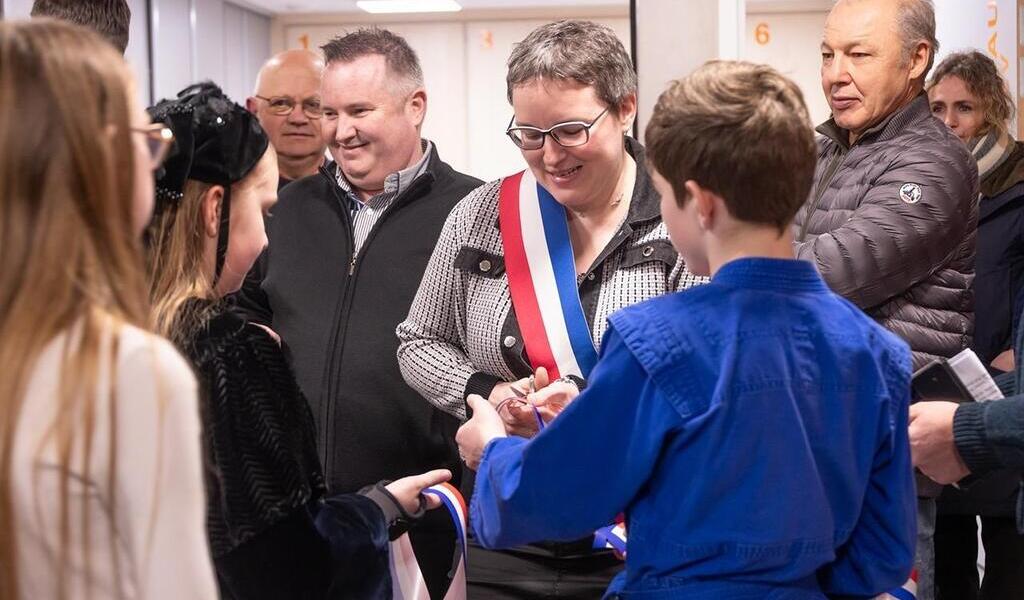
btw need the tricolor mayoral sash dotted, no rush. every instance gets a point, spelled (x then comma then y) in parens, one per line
(541, 273)
(406, 578)
(542, 278)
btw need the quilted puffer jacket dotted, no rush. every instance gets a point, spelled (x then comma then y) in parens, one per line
(891, 225)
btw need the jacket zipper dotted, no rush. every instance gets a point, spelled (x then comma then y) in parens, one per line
(341, 317)
(826, 179)
(326, 387)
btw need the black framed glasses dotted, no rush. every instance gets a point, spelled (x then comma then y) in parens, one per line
(284, 105)
(159, 138)
(566, 135)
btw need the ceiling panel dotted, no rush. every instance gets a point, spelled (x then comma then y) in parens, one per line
(321, 6)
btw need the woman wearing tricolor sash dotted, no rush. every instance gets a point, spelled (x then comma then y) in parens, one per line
(528, 268)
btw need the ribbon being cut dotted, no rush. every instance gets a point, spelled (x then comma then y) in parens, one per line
(541, 272)
(908, 591)
(406, 578)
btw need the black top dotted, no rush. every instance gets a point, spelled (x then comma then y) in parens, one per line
(999, 265)
(258, 430)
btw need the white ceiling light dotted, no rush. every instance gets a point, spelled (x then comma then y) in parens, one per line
(408, 6)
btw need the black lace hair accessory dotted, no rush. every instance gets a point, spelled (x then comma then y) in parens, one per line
(215, 141)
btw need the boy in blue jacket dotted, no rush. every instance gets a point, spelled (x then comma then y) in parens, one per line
(752, 430)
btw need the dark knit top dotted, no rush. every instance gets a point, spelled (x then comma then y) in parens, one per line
(258, 429)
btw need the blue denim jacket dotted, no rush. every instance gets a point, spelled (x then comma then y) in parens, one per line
(754, 432)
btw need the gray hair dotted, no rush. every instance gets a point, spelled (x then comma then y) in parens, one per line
(581, 51)
(917, 24)
(367, 41)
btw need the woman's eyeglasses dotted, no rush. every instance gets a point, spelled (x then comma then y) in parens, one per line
(284, 105)
(566, 135)
(158, 140)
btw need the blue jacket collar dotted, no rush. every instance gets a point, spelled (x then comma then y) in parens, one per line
(771, 274)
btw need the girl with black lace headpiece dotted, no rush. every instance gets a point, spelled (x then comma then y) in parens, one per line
(272, 534)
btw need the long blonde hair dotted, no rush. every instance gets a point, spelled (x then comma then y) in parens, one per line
(69, 256)
(175, 261)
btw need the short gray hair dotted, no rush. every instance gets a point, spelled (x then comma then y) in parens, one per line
(582, 51)
(917, 24)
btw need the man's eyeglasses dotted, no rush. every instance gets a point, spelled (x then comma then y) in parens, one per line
(284, 105)
(158, 140)
(567, 135)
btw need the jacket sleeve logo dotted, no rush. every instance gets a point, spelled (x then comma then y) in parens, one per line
(910, 193)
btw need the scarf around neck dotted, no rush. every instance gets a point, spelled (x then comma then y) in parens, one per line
(990, 151)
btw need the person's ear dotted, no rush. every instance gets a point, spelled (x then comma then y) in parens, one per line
(919, 60)
(703, 203)
(627, 112)
(251, 106)
(417, 106)
(210, 207)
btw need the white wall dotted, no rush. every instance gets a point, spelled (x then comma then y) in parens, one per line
(676, 37)
(789, 41)
(17, 9)
(464, 70)
(207, 39)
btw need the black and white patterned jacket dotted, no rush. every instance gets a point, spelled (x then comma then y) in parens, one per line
(462, 337)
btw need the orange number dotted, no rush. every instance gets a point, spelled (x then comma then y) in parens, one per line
(304, 40)
(761, 34)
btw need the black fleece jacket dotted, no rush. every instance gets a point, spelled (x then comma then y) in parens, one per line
(336, 313)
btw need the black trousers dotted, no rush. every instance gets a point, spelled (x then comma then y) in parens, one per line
(527, 575)
(956, 557)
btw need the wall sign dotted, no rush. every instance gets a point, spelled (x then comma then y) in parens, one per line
(762, 35)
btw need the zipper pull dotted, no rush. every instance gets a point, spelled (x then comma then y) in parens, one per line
(352, 266)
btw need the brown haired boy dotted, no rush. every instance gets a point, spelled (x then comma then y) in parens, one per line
(753, 430)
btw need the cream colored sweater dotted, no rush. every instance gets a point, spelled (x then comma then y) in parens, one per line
(158, 503)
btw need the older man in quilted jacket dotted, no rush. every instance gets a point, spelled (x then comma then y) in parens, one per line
(892, 216)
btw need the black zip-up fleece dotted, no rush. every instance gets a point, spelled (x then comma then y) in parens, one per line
(337, 317)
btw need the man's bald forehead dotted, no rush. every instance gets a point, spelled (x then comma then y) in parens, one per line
(289, 69)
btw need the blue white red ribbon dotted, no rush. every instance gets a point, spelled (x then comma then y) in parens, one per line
(908, 591)
(612, 536)
(541, 272)
(406, 578)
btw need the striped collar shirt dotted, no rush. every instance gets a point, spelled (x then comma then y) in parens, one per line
(366, 214)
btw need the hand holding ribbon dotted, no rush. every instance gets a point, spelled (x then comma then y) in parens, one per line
(475, 433)
(510, 400)
(552, 399)
(407, 490)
